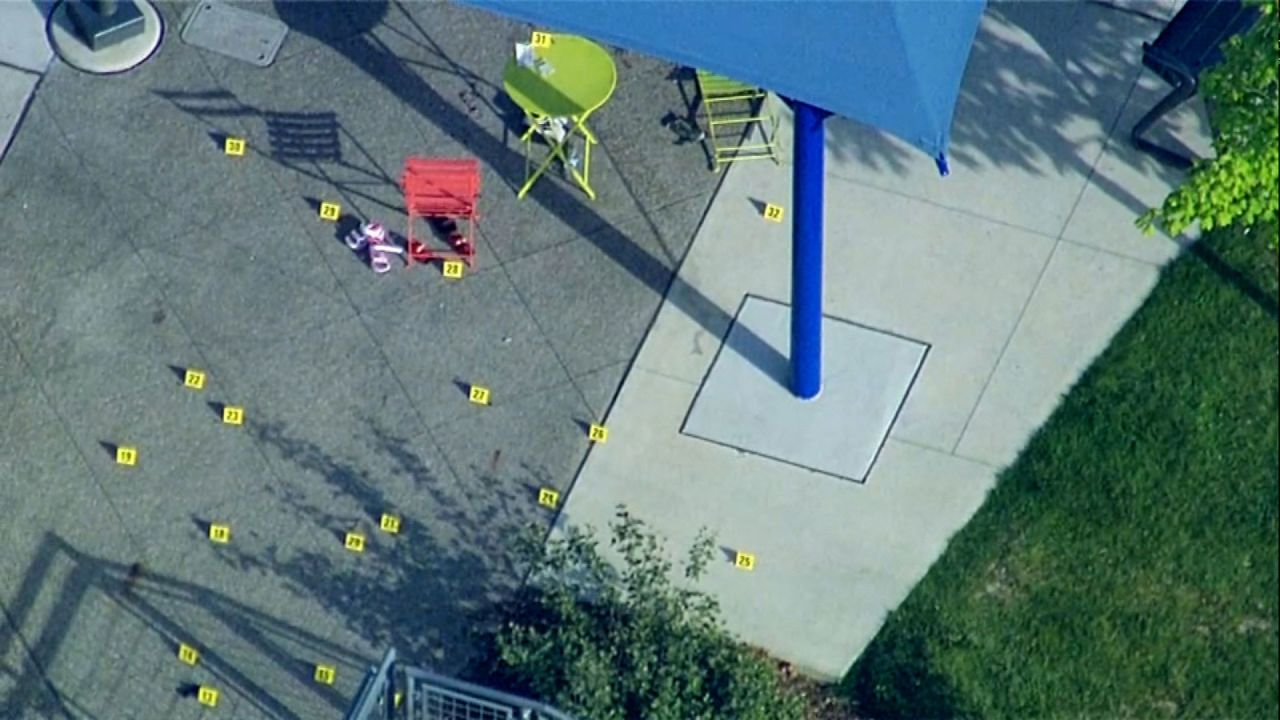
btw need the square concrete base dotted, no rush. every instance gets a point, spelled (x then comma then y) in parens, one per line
(744, 401)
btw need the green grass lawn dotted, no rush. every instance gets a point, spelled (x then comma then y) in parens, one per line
(1126, 564)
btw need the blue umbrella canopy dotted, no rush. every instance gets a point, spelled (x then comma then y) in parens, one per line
(895, 66)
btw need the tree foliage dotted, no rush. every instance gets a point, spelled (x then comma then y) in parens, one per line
(629, 643)
(1240, 184)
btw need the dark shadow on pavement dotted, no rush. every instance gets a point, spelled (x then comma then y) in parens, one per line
(1012, 111)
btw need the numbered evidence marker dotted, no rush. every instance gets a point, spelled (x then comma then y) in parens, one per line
(233, 146)
(598, 433)
(354, 542)
(744, 561)
(193, 379)
(207, 696)
(233, 415)
(325, 674)
(548, 498)
(773, 212)
(220, 533)
(540, 40)
(479, 395)
(127, 455)
(188, 654)
(453, 269)
(389, 523)
(330, 211)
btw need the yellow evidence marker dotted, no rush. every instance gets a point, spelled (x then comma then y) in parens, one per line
(744, 561)
(207, 696)
(193, 379)
(233, 146)
(453, 269)
(330, 211)
(598, 433)
(479, 395)
(354, 542)
(127, 455)
(233, 415)
(325, 674)
(389, 523)
(220, 534)
(548, 498)
(188, 654)
(540, 39)
(773, 212)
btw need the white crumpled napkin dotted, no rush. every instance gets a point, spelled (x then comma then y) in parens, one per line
(526, 57)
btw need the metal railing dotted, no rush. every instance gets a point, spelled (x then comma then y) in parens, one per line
(394, 691)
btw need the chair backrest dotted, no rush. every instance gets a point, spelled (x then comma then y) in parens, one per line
(439, 186)
(1195, 35)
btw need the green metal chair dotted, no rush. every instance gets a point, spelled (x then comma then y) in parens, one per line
(733, 109)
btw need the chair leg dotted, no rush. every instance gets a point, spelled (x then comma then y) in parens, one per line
(709, 135)
(1180, 94)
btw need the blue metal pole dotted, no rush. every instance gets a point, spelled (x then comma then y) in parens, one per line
(807, 183)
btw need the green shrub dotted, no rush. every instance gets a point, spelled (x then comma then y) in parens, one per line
(628, 643)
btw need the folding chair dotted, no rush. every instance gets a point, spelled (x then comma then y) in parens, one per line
(442, 190)
(1188, 45)
(732, 108)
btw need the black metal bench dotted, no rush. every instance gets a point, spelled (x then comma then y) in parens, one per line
(1189, 44)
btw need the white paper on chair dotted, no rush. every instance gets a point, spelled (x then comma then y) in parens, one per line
(555, 128)
(526, 57)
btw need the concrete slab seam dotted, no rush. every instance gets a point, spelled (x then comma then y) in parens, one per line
(631, 364)
(941, 206)
(18, 68)
(70, 437)
(1093, 169)
(1004, 348)
(1113, 253)
(22, 114)
(1107, 144)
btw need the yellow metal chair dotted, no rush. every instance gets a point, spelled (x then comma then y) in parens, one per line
(732, 108)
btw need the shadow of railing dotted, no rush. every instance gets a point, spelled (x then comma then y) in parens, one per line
(140, 594)
(433, 590)
(433, 593)
(308, 143)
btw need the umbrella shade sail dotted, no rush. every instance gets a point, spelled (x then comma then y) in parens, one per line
(895, 66)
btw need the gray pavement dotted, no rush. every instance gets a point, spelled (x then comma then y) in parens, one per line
(134, 249)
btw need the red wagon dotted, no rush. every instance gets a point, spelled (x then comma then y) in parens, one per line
(443, 191)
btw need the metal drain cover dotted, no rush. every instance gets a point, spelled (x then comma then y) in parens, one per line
(236, 33)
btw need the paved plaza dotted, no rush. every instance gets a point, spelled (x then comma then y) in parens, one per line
(134, 249)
